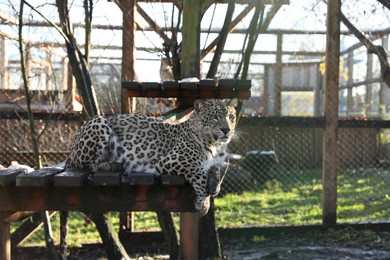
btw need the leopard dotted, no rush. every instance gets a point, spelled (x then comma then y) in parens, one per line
(193, 148)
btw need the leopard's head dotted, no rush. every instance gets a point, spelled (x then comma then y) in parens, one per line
(218, 118)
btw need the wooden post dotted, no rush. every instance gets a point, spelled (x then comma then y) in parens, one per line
(5, 238)
(278, 76)
(128, 48)
(189, 223)
(383, 88)
(128, 74)
(3, 65)
(190, 67)
(318, 94)
(349, 84)
(67, 85)
(369, 75)
(48, 71)
(329, 165)
(191, 39)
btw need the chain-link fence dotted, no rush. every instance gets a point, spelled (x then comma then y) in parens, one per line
(275, 170)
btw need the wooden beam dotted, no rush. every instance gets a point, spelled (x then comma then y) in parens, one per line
(234, 23)
(329, 164)
(27, 228)
(97, 198)
(152, 24)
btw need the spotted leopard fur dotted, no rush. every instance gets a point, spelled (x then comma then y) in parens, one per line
(192, 149)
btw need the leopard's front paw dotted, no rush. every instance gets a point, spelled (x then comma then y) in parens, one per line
(202, 204)
(214, 181)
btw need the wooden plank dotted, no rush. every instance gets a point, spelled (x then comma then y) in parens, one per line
(226, 83)
(171, 180)
(98, 198)
(170, 85)
(8, 177)
(207, 88)
(243, 84)
(151, 85)
(106, 178)
(171, 88)
(18, 216)
(189, 90)
(40, 177)
(71, 178)
(189, 86)
(141, 179)
(27, 228)
(152, 89)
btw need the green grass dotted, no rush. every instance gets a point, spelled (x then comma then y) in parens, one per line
(291, 198)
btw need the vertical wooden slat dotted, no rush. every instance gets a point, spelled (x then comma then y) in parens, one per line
(384, 90)
(318, 93)
(48, 70)
(329, 166)
(349, 82)
(278, 75)
(3, 65)
(369, 75)
(265, 97)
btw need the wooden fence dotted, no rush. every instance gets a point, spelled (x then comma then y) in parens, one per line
(296, 141)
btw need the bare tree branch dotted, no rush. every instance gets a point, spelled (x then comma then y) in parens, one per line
(378, 50)
(78, 63)
(222, 40)
(47, 19)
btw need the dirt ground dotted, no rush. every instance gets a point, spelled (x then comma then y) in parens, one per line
(337, 244)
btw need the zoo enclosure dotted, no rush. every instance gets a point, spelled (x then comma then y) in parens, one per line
(287, 123)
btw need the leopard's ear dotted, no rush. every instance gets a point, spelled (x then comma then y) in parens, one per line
(198, 104)
(233, 102)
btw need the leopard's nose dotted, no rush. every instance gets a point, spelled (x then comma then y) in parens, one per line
(225, 131)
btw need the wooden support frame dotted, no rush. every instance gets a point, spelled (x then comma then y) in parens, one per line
(329, 165)
(57, 190)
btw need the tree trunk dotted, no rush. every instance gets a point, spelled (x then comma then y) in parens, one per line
(78, 64)
(80, 71)
(209, 245)
(111, 243)
(170, 234)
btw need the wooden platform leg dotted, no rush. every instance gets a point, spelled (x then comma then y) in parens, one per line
(5, 238)
(189, 235)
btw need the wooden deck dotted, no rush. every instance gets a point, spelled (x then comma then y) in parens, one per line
(56, 189)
